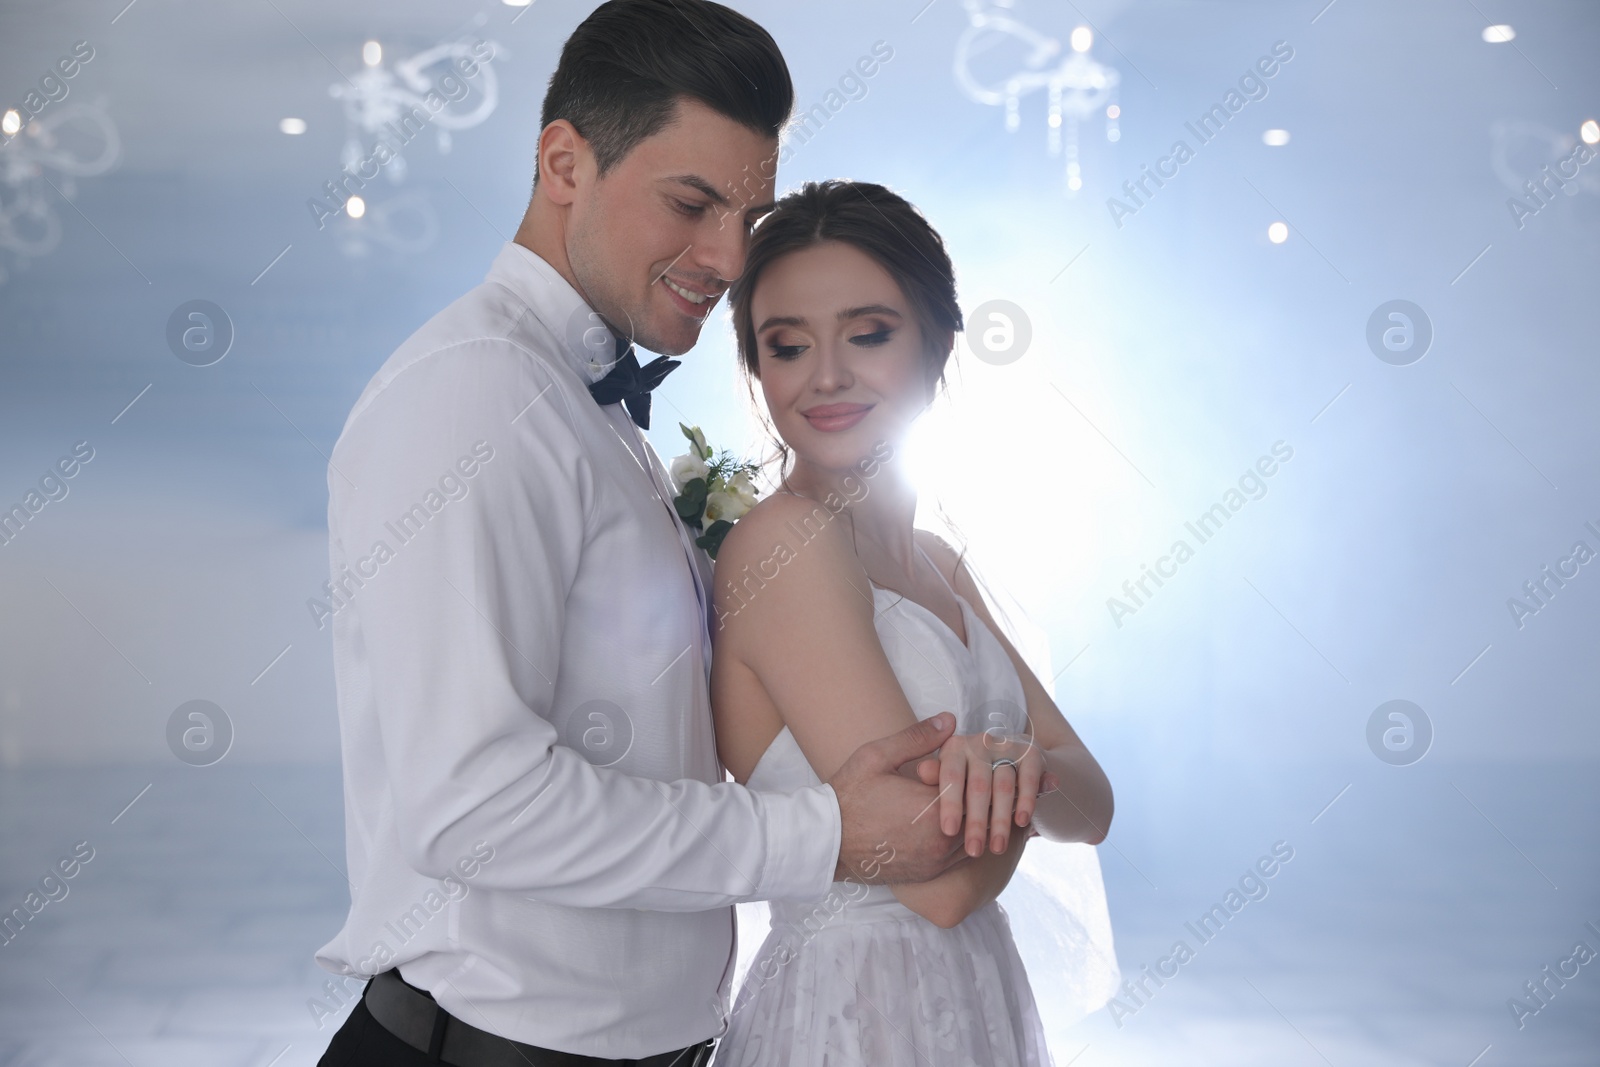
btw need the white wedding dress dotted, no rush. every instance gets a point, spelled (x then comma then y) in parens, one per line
(860, 980)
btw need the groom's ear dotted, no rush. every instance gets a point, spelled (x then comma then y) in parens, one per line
(564, 156)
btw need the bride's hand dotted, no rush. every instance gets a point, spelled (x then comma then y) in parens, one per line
(993, 797)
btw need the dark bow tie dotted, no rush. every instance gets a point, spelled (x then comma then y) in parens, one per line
(631, 383)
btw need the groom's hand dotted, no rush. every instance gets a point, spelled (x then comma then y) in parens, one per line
(890, 822)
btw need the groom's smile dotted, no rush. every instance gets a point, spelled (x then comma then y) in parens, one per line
(694, 298)
(677, 210)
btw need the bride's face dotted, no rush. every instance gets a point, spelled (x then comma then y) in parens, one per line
(840, 354)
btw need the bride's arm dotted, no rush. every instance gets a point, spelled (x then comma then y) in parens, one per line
(1080, 809)
(948, 899)
(794, 610)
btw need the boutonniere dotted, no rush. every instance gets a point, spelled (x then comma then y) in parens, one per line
(714, 489)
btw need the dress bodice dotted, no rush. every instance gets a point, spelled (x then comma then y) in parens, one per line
(858, 979)
(977, 682)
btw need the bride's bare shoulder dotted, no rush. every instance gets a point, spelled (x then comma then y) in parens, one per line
(788, 543)
(779, 520)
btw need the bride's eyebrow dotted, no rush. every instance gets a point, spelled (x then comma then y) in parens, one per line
(868, 309)
(844, 315)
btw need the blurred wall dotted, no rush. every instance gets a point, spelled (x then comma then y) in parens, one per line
(1171, 347)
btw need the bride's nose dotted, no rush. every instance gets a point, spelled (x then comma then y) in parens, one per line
(831, 371)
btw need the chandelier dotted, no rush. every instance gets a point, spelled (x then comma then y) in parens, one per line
(448, 87)
(452, 85)
(69, 142)
(1077, 86)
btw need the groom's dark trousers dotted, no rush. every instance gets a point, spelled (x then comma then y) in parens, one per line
(415, 1032)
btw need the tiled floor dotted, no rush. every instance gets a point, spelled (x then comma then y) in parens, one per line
(1407, 917)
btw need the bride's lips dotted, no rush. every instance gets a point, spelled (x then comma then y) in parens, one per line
(833, 418)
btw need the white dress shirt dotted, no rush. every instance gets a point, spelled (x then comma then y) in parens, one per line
(538, 828)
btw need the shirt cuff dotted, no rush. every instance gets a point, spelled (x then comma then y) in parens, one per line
(803, 831)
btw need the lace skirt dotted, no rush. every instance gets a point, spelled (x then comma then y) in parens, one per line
(872, 984)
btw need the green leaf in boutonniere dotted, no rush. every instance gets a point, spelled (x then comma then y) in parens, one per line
(713, 490)
(711, 540)
(691, 503)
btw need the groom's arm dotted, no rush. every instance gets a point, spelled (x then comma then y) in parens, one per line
(462, 684)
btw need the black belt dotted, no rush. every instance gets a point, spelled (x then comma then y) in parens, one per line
(412, 1015)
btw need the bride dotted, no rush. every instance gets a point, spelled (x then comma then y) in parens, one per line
(838, 621)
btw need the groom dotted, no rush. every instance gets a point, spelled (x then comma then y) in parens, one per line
(543, 851)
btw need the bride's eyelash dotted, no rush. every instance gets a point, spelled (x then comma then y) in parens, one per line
(861, 340)
(786, 352)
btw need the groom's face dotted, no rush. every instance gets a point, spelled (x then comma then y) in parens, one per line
(656, 241)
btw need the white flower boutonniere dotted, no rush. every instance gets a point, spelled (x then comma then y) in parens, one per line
(714, 490)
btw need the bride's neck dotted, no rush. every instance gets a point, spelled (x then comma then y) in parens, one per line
(882, 508)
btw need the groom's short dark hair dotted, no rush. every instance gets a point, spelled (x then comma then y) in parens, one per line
(624, 67)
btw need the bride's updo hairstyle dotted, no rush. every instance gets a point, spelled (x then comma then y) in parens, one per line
(877, 222)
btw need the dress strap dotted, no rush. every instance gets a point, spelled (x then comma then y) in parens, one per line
(935, 567)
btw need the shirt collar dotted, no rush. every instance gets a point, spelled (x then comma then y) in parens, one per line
(583, 339)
